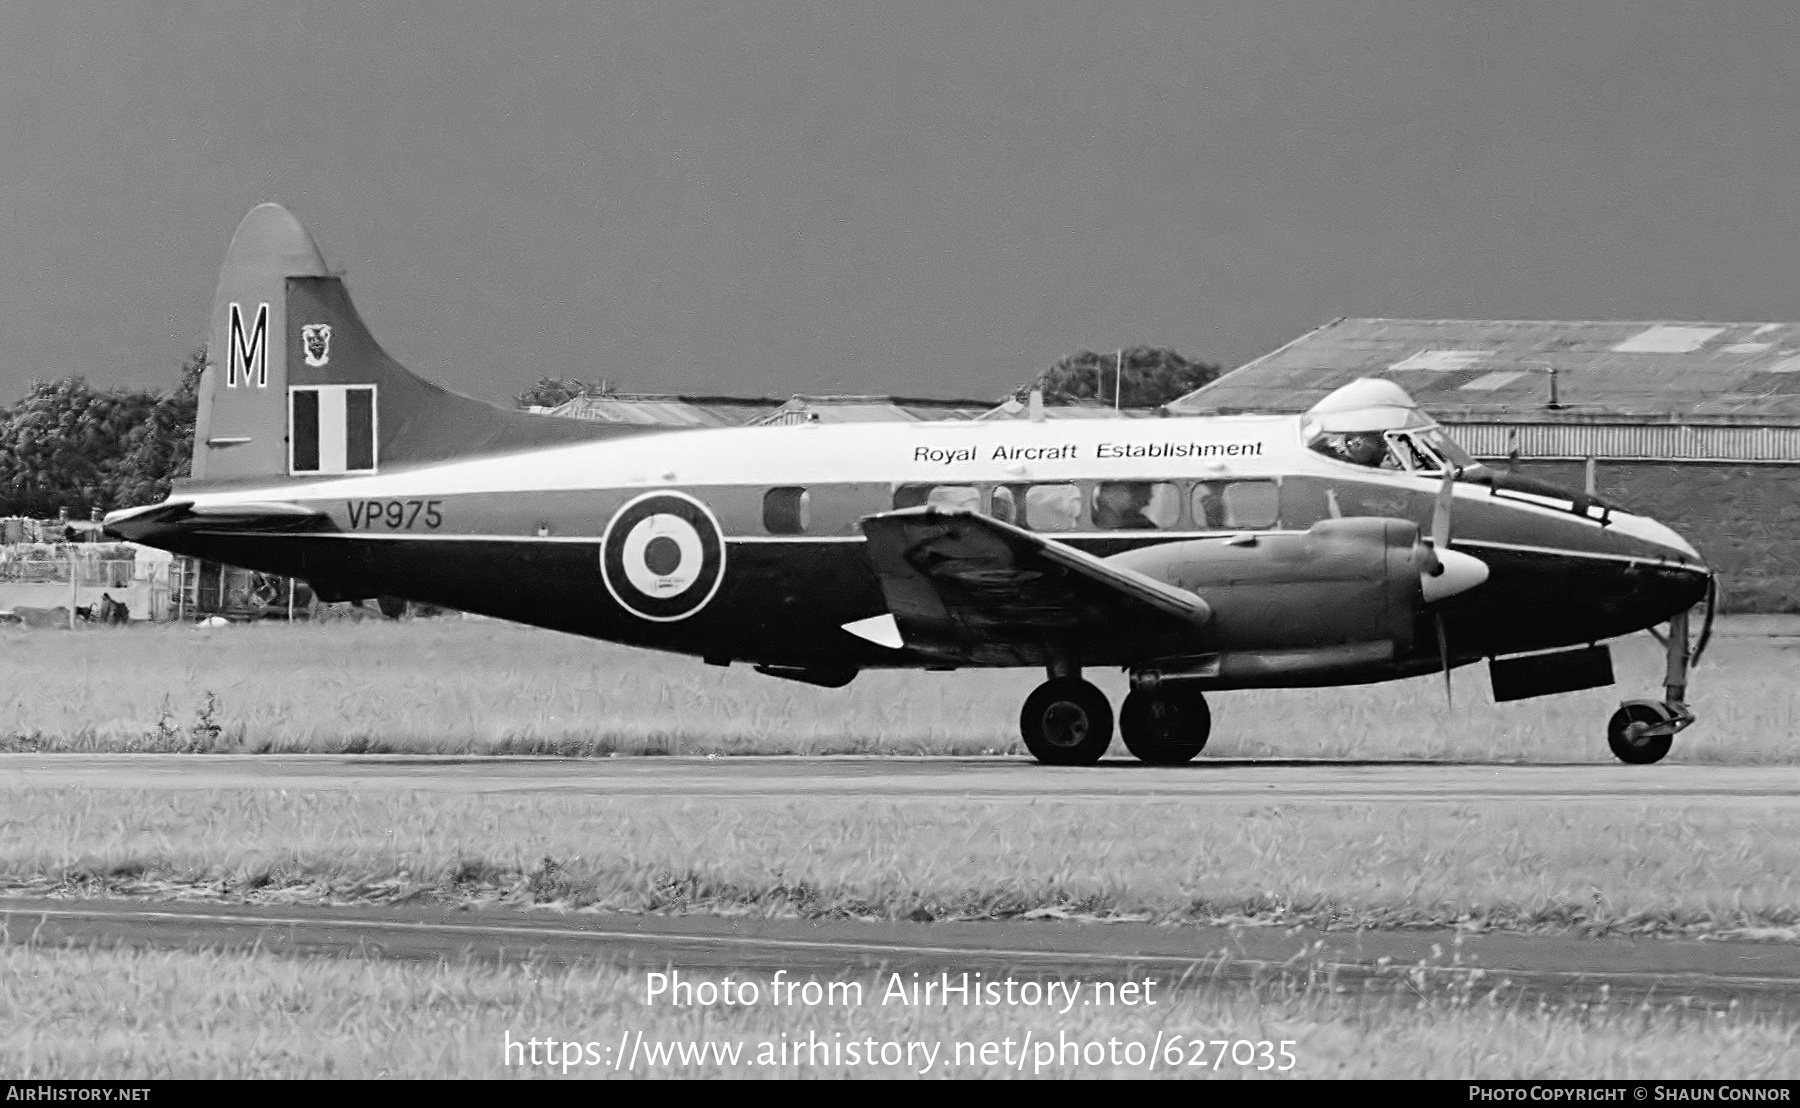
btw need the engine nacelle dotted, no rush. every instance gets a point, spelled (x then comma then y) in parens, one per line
(1344, 581)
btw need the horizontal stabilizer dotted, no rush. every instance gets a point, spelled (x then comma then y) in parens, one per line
(176, 517)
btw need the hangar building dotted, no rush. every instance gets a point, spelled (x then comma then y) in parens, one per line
(745, 411)
(1696, 424)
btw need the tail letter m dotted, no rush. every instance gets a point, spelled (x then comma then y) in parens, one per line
(247, 354)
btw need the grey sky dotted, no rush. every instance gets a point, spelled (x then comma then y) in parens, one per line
(922, 198)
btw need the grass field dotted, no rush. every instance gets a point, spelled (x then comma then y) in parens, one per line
(125, 1014)
(1703, 869)
(479, 687)
(1725, 868)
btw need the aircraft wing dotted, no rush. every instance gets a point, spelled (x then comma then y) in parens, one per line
(968, 587)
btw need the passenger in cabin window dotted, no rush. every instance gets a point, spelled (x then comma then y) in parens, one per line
(911, 496)
(1119, 506)
(965, 498)
(1003, 505)
(1209, 510)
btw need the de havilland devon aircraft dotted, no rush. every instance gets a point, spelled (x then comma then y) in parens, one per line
(1355, 543)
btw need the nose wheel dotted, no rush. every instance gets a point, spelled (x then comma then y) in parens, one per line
(1642, 731)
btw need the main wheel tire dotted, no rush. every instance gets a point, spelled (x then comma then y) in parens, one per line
(1166, 727)
(1639, 750)
(1066, 722)
(391, 606)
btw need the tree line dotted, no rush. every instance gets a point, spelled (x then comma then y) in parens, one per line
(68, 445)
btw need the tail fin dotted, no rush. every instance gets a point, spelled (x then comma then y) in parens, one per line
(296, 386)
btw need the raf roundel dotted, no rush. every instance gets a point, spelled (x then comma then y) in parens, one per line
(662, 556)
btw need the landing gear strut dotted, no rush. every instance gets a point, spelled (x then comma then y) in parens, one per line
(1165, 726)
(1641, 731)
(1067, 722)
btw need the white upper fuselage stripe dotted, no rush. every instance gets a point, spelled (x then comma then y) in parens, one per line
(871, 453)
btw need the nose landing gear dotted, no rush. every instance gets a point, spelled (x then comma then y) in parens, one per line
(1642, 731)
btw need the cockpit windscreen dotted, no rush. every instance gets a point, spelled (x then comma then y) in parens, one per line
(1418, 450)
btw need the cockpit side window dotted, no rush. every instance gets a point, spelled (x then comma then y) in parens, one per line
(1369, 449)
(1442, 444)
(1413, 454)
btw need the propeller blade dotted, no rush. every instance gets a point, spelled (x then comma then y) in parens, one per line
(1443, 640)
(1440, 512)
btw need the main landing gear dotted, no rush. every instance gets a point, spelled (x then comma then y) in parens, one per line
(1068, 722)
(1642, 731)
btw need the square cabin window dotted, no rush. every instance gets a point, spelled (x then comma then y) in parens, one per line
(1209, 505)
(967, 497)
(1136, 505)
(1251, 505)
(1003, 504)
(1053, 507)
(785, 511)
(911, 496)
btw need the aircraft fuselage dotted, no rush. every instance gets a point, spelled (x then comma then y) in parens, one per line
(524, 536)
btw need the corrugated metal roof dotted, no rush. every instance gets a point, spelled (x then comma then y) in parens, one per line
(663, 411)
(653, 409)
(1464, 370)
(1016, 409)
(870, 409)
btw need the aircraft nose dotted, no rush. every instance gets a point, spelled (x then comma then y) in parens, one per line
(1645, 529)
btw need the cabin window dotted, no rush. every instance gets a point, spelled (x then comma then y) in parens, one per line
(911, 496)
(967, 497)
(1209, 506)
(938, 496)
(1250, 505)
(1053, 507)
(1133, 505)
(1003, 505)
(785, 511)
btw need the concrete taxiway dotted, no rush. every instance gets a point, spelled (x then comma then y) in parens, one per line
(995, 778)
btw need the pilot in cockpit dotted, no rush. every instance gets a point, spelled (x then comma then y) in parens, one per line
(1374, 424)
(1361, 448)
